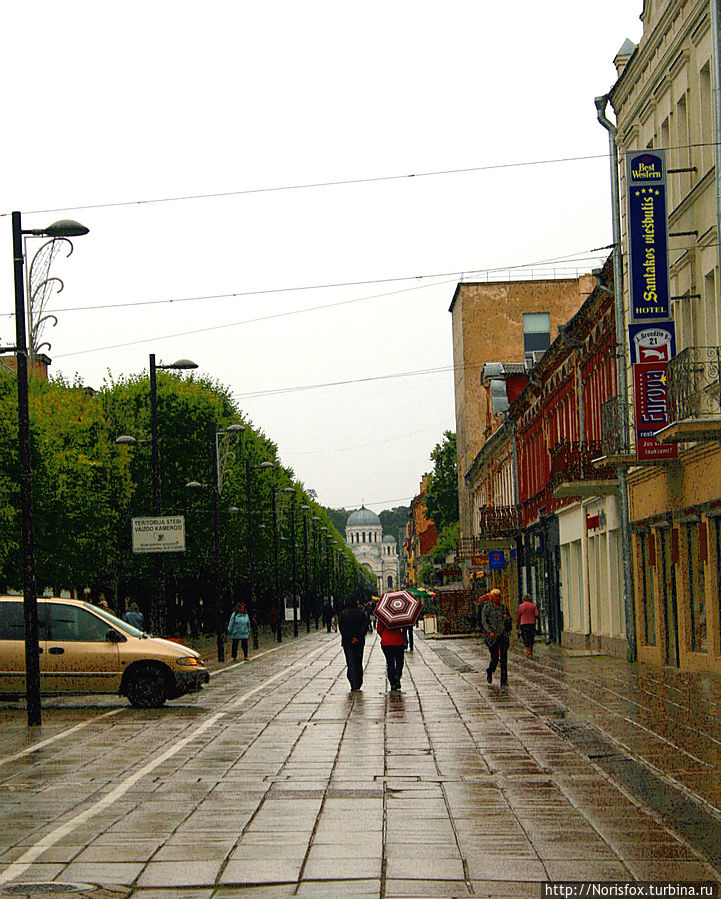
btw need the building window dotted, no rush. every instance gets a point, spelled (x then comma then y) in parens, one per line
(536, 332)
(696, 547)
(647, 559)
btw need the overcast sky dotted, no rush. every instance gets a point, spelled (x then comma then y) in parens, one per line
(197, 142)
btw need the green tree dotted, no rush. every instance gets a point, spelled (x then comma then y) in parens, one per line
(441, 496)
(394, 520)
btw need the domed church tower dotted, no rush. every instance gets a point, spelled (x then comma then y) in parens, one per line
(374, 552)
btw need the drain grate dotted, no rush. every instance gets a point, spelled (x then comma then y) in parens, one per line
(452, 660)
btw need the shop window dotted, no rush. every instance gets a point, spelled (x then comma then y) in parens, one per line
(647, 559)
(696, 549)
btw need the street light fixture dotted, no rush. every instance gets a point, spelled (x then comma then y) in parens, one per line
(63, 228)
(263, 466)
(217, 478)
(306, 593)
(180, 365)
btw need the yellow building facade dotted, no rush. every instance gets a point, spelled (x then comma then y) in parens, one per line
(664, 99)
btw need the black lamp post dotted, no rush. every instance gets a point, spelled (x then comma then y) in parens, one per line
(251, 547)
(63, 228)
(292, 563)
(316, 575)
(280, 605)
(158, 610)
(216, 485)
(306, 592)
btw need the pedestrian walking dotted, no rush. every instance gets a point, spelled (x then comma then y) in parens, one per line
(526, 619)
(483, 598)
(134, 616)
(327, 615)
(392, 645)
(497, 625)
(408, 638)
(353, 625)
(239, 630)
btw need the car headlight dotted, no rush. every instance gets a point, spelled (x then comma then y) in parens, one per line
(190, 662)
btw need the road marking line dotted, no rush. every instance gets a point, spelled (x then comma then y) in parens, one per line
(60, 736)
(66, 733)
(18, 867)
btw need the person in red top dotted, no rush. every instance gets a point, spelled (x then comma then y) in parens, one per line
(526, 619)
(392, 644)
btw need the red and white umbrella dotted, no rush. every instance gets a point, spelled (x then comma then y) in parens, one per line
(398, 609)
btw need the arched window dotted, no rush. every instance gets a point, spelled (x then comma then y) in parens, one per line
(390, 580)
(364, 536)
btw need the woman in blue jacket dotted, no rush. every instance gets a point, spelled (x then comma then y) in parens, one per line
(239, 630)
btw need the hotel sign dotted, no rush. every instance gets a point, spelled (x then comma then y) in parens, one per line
(647, 234)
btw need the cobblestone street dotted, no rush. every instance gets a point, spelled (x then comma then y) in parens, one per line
(277, 781)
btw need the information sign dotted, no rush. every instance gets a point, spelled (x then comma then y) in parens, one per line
(161, 534)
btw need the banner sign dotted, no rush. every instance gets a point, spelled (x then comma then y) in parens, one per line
(647, 234)
(162, 534)
(652, 342)
(497, 560)
(651, 402)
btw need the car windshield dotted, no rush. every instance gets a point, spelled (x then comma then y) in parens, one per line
(116, 622)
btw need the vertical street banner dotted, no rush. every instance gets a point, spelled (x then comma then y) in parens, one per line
(647, 234)
(651, 404)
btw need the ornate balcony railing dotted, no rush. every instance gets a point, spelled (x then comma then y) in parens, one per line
(572, 461)
(498, 521)
(694, 377)
(614, 441)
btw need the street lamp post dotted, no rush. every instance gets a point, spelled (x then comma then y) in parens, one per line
(216, 484)
(63, 228)
(306, 592)
(158, 610)
(293, 566)
(251, 547)
(280, 605)
(316, 574)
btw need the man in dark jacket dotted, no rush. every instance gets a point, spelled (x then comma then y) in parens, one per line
(496, 628)
(353, 626)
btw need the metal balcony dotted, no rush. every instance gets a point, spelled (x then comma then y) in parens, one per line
(573, 472)
(498, 521)
(694, 396)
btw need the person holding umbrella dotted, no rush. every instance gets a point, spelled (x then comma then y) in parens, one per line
(395, 611)
(393, 646)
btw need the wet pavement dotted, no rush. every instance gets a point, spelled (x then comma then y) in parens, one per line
(277, 781)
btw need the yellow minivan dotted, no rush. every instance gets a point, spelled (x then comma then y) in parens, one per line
(84, 649)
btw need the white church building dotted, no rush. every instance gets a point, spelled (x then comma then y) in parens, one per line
(374, 552)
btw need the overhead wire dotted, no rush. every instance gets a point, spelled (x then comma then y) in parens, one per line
(340, 182)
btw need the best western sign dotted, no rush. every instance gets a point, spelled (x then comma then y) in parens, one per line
(647, 234)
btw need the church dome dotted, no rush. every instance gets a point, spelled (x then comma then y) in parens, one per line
(361, 517)
(389, 539)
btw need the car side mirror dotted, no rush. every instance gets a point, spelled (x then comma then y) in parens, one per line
(113, 636)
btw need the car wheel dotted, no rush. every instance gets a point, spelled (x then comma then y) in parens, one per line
(147, 689)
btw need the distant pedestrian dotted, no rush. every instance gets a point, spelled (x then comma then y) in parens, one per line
(327, 615)
(239, 630)
(103, 604)
(134, 616)
(497, 625)
(353, 625)
(392, 646)
(408, 638)
(526, 619)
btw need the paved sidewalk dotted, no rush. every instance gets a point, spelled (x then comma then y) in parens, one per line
(276, 781)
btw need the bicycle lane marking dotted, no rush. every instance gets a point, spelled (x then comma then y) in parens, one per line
(18, 867)
(76, 727)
